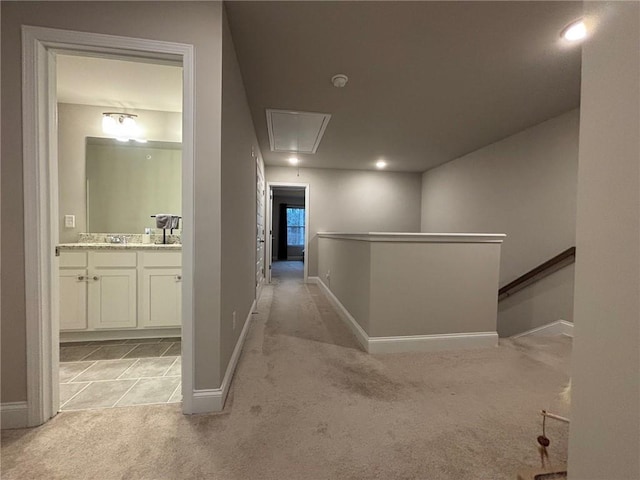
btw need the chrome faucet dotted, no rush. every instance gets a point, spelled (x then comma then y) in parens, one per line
(117, 239)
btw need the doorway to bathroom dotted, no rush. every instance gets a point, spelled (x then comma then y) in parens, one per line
(119, 190)
(111, 168)
(288, 227)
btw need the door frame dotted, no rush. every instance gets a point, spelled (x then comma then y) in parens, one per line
(40, 169)
(269, 222)
(260, 174)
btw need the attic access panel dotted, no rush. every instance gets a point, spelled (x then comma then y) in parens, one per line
(298, 132)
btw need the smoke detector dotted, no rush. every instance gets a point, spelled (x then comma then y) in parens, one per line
(339, 80)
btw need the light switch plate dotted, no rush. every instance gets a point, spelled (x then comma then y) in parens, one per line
(70, 221)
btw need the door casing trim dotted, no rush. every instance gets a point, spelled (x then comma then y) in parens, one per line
(40, 170)
(307, 208)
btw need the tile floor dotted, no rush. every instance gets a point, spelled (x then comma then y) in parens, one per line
(115, 373)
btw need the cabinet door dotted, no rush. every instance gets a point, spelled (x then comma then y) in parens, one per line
(73, 299)
(161, 297)
(112, 298)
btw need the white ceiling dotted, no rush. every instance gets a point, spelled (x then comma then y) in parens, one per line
(428, 81)
(119, 83)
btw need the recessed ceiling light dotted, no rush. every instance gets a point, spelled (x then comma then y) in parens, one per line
(293, 160)
(381, 164)
(574, 31)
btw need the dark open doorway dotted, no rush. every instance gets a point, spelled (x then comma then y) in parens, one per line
(289, 228)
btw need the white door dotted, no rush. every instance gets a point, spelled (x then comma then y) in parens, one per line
(260, 232)
(161, 297)
(112, 298)
(73, 299)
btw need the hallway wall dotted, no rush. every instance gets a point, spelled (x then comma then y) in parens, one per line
(524, 186)
(196, 23)
(604, 439)
(354, 201)
(238, 202)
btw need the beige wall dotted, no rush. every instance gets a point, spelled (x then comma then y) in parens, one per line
(75, 123)
(354, 201)
(548, 300)
(238, 202)
(196, 23)
(524, 186)
(345, 268)
(401, 289)
(433, 288)
(604, 441)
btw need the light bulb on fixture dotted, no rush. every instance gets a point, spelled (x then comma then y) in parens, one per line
(122, 126)
(574, 31)
(294, 160)
(381, 164)
(109, 124)
(128, 122)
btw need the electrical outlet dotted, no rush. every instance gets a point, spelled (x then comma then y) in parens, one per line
(328, 275)
(70, 221)
(234, 320)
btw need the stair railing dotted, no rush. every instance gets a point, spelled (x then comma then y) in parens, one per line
(538, 273)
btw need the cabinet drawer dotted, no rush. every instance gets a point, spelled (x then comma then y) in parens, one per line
(73, 259)
(113, 259)
(161, 259)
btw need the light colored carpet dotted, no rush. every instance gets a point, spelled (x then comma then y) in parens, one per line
(306, 403)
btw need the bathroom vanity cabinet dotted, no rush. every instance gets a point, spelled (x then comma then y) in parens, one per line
(119, 289)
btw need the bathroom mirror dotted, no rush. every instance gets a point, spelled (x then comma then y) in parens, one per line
(127, 182)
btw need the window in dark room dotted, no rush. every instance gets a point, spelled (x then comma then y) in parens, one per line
(295, 226)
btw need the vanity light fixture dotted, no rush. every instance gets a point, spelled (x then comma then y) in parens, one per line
(574, 31)
(122, 126)
(380, 164)
(293, 160)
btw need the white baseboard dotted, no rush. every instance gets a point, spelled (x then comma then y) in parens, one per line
(13, 415)
(212, 400)
(433, 343)
(314, 280)
(559, 327)
(411, 343)
(207, 401)
(354, 326)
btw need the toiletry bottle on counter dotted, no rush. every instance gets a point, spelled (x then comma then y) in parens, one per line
(146, 238)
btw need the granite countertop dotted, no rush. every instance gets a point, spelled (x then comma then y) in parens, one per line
(119, 246)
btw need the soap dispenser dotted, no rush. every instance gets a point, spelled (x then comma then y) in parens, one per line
(146, 238)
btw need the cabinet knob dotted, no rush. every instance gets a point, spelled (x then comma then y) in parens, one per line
(80, 277)
(95, 277)
(178, 277)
